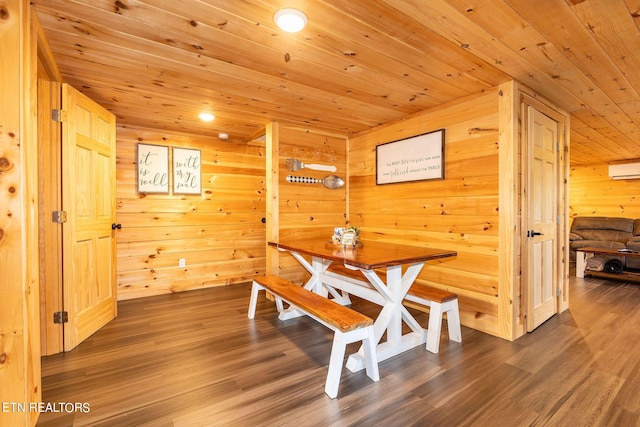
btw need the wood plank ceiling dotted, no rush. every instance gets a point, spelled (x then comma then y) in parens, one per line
(358, 63)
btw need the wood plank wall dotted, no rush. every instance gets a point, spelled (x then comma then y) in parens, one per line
(458, 213)
(308, 209)
(220, 233)
(19, 285)
(593, 193)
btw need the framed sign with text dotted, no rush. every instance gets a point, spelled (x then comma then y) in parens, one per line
(153, 169)
(186, 171)
(417, 158)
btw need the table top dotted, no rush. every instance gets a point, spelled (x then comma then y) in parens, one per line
(370, 256)
(603, 251)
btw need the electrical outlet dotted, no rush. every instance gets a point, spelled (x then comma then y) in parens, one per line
(182, 262)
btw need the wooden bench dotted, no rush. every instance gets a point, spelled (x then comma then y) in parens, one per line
(438, 301)
(348, 325)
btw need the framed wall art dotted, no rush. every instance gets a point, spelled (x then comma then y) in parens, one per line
(417, 158)
(153, 169)
(186, 171)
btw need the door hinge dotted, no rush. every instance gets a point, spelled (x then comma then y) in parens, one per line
(60, 317)
(558, 292)
(58, 115)
(59, 217)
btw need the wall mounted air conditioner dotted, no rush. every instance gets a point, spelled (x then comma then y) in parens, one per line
(625, 171)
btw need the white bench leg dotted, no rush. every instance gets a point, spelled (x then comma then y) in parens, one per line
(435, 327)
(335, 364)
(253, 301)
(436, 312)
(279, 305)
(370, 357)
(453, 322)
(340, 341)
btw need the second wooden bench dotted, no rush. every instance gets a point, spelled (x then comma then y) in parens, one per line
(348, 325)
(438, 302)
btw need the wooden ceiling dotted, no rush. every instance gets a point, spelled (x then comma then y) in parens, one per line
(358, 63)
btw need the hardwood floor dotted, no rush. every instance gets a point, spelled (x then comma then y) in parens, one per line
(194, 359)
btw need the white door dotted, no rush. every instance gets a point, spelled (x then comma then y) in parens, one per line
(542, 218)
(88, 198)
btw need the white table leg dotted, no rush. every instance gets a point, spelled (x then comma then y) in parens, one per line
(394, 283)
(315, 268)
(391, 317)
(581, 263)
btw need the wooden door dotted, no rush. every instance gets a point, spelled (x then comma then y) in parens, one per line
(542, 217)
(88, 198)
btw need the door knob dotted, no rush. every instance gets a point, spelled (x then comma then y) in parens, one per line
(535, 233)
(114, 226)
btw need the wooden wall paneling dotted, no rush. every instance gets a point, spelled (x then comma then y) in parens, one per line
(510, 300)
(30, 199)
(593, 193)
(19, 286)
(459, 213)
(564, 220)
(309, 209)
(219, 233)
(272, 215)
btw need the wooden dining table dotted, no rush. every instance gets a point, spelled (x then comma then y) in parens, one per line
(399, 266)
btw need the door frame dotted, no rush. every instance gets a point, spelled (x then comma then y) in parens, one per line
(562, 236)
(49, 196)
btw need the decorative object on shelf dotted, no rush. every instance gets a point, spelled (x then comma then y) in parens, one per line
(330, 181)
(416, 158)
(295, 165)
(153, 169)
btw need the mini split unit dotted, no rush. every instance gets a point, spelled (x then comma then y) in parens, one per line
(625, 171)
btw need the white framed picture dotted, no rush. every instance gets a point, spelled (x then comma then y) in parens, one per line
(153, 169)
(416, 158)
(187, 171)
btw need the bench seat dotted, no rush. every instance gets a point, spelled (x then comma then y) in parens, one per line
(348, 325)
(439, 302)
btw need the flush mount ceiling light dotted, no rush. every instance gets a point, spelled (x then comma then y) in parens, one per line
(206, 117)
(290, 20)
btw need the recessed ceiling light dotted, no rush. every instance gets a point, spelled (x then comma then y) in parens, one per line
(290, 20)
(206, 117)
(223, 135)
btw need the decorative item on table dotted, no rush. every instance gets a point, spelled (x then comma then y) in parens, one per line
(337, 235)
(345, 237)
(330, 181)
(349, 238)
(295, 165)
